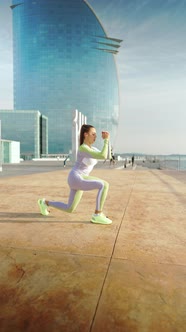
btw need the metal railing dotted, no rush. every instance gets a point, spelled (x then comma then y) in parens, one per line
(163, 162)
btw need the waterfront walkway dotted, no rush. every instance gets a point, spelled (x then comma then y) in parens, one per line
(63, 274)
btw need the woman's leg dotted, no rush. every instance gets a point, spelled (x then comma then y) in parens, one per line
(90, 183)
(78, 185)
(73, 201)
(85, 184)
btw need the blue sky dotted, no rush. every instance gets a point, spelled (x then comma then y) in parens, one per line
(151, 68)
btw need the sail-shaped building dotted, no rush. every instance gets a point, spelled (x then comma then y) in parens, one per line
(64, 60)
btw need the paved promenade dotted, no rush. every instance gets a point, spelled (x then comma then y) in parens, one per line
(64, 274)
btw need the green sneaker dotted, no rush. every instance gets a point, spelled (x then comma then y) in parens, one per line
(103, 215)
(43, 207)
(100, 219)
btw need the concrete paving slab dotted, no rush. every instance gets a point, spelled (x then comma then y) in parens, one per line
(156, 246)
(67, 237)
(158, 181)
(141, 296)
(48, 292)
(23, 226)
(154, 225)
(48, 264)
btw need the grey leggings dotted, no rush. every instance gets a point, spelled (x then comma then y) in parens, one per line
(78, 184)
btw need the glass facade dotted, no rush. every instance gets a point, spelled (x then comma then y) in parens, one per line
(27, 127)
(63, 60)
(5, 146)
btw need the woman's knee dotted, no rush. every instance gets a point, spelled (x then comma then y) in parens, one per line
(106, 185)
(71, 209)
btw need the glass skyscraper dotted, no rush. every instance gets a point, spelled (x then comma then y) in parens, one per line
(63, 60)
(30, 128)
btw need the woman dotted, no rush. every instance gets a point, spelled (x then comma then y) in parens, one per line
(79, 179)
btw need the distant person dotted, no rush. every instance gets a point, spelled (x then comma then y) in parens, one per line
(112, 159)
(64, 162)
(79, 179)
(132, 160)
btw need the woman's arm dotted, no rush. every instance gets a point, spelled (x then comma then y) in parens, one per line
(96, 154)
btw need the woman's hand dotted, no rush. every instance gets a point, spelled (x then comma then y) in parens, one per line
(105, 134)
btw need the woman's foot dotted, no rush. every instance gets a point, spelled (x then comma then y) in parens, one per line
(43, 207)
(100, 219)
